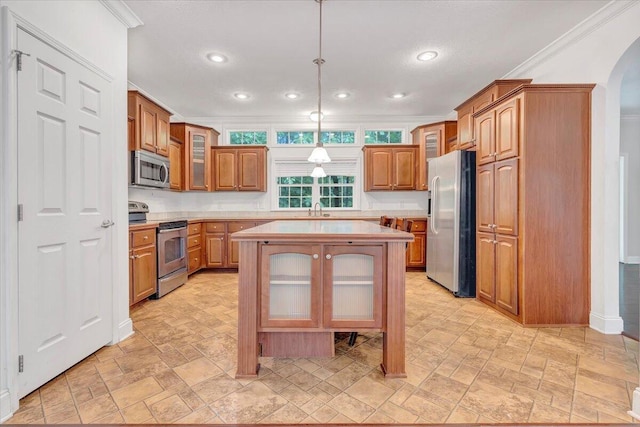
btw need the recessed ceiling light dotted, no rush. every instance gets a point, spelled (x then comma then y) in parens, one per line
(428, 55)
(292, 95)
(241, 95)
(343, 95)
(216, 57)
(398, 95)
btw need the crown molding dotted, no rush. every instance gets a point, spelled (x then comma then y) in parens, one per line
(326, 121)
(120, 10)
(599, 18)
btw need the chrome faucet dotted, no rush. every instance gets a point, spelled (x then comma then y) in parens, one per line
(315, 213)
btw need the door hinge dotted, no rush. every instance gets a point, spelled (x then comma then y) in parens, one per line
(21, 363)
(18, 54)
(20, 212)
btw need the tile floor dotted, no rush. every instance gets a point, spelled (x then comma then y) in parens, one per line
(465, 364)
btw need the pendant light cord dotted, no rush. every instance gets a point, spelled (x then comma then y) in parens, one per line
(319, 61)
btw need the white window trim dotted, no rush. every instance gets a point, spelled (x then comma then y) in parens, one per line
(302, 167)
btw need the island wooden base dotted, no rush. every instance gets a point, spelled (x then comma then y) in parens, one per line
(388, 248)
(297, 344)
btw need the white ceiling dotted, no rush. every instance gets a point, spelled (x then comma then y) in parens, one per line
(370, 50)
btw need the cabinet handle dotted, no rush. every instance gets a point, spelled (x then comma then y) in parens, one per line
(315, 256)
(132, 257)
(145, 237)
(328, 256)
(495, 242)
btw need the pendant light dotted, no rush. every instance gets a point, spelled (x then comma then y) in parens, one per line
(319, 154)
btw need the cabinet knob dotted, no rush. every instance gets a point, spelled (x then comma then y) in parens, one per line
(328, 256)
(495, 242)
(315, 256)
(196, 241)
(145, 237)
(132, 257)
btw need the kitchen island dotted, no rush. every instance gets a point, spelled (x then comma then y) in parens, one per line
(301, 281)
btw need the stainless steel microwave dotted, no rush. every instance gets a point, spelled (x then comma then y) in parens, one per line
(149, 170)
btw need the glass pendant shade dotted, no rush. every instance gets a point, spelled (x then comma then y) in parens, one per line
(318, 172)
(319, 155)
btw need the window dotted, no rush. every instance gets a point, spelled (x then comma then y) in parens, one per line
(294, 137)
(336, 191)
(382, 136)
(295, 189)
(248, 138)
(338, 137)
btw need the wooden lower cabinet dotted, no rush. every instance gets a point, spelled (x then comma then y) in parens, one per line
(497, 271)
(346, 296)
(142, 265)
(194, 247)
(233, 252)
(417, 250)
(215, 243)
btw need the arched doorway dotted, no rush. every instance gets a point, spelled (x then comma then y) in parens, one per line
(630, 200)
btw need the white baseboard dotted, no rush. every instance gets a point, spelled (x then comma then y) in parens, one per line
(606, 325)
(635, 406)
(632, 260)
(125, 330)
(5, 406)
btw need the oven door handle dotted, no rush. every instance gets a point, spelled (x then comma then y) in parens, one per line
(169, 230)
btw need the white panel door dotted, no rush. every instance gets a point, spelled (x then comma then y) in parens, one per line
(64, 187)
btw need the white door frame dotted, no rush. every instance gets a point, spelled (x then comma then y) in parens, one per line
(9, 347)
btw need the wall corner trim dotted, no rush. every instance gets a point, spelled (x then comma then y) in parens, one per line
(606, 324)
(120, 10)
(5, 406)
(125, 330)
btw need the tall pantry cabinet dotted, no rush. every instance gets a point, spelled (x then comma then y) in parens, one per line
(533, 224)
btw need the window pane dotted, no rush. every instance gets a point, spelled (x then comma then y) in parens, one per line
(248, 137)
(295, 203)
(294, 137)
(284, 191)
(338, 137)
(382, 137)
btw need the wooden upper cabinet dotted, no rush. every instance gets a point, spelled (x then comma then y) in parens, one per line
(506, 197)
(485, 198)
(485, 137)
(497, 197)
(390, 167)
(467, 138)
(432, 140)
(197, 141)
(507, 129)
(239, 168)
(150, 124)
(176, 162)
(162, 135)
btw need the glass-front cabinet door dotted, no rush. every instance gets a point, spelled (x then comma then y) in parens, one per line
(290, 289)
(199, 159)
(353, 278)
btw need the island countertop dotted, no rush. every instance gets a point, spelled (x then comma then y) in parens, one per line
(322, 230)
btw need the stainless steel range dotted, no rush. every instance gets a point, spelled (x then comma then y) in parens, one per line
(172, 256)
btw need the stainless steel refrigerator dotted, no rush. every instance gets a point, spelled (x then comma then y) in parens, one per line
(451, 232)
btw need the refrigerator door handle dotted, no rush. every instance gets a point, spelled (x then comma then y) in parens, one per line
(434, 204)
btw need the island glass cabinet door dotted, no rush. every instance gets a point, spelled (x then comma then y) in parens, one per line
(353, 286)
(290, 288)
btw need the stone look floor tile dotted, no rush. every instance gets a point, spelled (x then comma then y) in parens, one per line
(98, 408)
(465, 364)
(136, 392)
